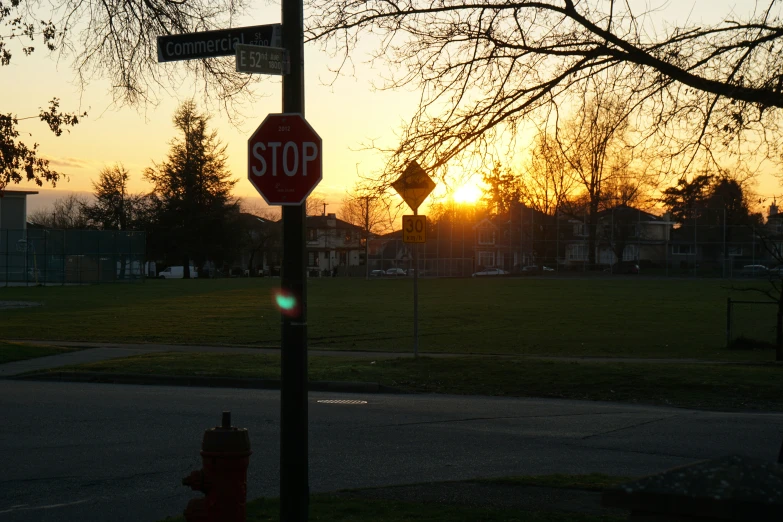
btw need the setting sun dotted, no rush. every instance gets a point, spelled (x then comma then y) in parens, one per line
(467, 194)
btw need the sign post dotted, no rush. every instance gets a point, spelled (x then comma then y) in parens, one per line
(414, 185)
(294, 481)
(284, 165)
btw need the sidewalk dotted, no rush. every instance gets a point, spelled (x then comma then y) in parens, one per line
(97, 351)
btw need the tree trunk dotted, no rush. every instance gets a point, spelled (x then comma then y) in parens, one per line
(186, 268)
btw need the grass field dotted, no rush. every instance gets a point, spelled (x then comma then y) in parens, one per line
(704, 386)
(616, 317)
(10, 352)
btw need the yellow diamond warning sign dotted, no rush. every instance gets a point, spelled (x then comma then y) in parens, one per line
(414, 229)
(414, 185)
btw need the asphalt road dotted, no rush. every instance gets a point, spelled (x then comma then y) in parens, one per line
(98, 452)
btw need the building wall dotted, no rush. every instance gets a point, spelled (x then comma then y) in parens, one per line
(13, 212)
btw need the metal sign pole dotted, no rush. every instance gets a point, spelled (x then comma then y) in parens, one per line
(416, 294)
(294, 486)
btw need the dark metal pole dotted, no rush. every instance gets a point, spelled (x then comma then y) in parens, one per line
(294, 486)
(416, 295)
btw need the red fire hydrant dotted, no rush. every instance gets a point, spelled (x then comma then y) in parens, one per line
(225, 453)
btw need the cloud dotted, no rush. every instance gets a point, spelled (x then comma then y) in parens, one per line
(74, 163)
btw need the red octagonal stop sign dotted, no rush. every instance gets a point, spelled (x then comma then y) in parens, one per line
(284, 159)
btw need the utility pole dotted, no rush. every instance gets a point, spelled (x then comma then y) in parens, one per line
(294, 481)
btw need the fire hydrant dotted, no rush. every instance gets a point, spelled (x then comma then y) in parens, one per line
(225, 454)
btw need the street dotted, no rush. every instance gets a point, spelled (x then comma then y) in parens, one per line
(97, 452)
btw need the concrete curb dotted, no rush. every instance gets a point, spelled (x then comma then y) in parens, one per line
(209, 382)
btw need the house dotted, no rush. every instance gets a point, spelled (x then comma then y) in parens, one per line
(259, 250)
(333, 244)
(511, 241)
(625, 233)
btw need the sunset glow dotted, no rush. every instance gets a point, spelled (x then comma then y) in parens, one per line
(467, 194)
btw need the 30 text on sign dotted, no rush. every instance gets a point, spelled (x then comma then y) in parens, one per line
(284, 159)
(414, 229)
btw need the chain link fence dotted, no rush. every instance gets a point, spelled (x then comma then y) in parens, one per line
(750, 324)
(58, 257)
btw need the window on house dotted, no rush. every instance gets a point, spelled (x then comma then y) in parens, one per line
(487, 259)
(735, 250)
(631, 253)
(347, 235)
(486, 236)
(312, 234)
(580, 229)
(577, 252)
(311, 259)
(682, 250)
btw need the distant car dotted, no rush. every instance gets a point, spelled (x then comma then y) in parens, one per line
(530, 268)
(625, 267)
(395, 272)
(547, 269)
(755, 271)
(377, 273)
(490, 272)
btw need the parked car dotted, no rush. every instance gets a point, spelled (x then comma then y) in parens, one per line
(490, 272)
(754, 271)
(377, 273)
(625, 267)
(395, 272)
(177, 272)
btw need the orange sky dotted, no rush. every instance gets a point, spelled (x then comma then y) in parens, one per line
(346, 113)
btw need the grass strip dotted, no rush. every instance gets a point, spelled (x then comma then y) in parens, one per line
(325, 508)
(335, 507)
(10, 352)
(703, 386)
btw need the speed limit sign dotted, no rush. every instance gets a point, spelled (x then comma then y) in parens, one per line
(414, 229)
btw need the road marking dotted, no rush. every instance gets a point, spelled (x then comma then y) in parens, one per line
(341, 401)
(27, 507)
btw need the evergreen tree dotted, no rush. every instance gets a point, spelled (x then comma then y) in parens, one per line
(114, 208)
(192, 192)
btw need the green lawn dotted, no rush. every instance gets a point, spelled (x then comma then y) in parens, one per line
(612, 317)
(10, 352)
(707, 386)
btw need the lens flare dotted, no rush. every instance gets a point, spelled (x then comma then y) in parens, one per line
(286, 302)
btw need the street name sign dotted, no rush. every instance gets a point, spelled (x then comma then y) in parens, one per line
(284, 159)
(262, 60)
(414, 185)
(211, 44)
(414, 229)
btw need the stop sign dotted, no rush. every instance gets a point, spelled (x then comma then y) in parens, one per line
(284, 159)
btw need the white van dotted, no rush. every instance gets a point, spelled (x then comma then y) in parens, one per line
(176, 272)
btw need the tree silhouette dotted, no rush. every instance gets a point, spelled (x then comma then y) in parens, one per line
(486, 67)
(192, 191)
